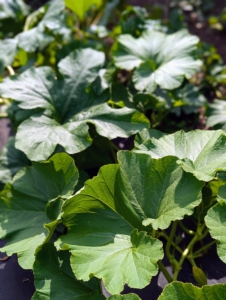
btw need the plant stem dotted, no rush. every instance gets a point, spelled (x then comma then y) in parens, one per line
(113, 152)
(170, 240)
(163, 234)
(191, 232)
(187, 250)
(11, 71)
(28, 20)
(204, 248)
(114, 146)
(164, 271)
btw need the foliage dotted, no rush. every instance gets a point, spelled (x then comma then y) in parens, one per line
(94, 192)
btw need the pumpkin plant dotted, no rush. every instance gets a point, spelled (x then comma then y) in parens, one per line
(93, 197)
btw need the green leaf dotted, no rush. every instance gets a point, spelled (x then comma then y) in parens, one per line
(37, 37)
(200, 152)
(23, 205)
(156, 62)
(143, 189)
(187, 99)
(187, 291)
(216, 222)
(146, 134)
(101, 216)
(82, 6)
(11, 161)
(221, 196)
(8, 49)
(54, 278)
(69, 105)
(121, 260)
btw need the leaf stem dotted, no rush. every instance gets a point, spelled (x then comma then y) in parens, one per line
(164, 271)
(170, 240)
(112, 148)
(165, 236)
(204, 248)
(188, 231)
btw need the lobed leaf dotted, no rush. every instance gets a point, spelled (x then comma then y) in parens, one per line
(68, 107)
(23, 221)
(155, 61)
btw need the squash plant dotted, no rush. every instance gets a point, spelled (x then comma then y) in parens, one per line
(82, 210)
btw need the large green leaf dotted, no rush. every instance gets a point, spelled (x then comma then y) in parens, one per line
(187, 291)
(155, 60)
(111, 254)
(68, 107)
(200, 152)
(82, 6)
(143, 190)
(11, 161)
(216, 222)
(101, 217)
(54, 279)
(24, 206)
